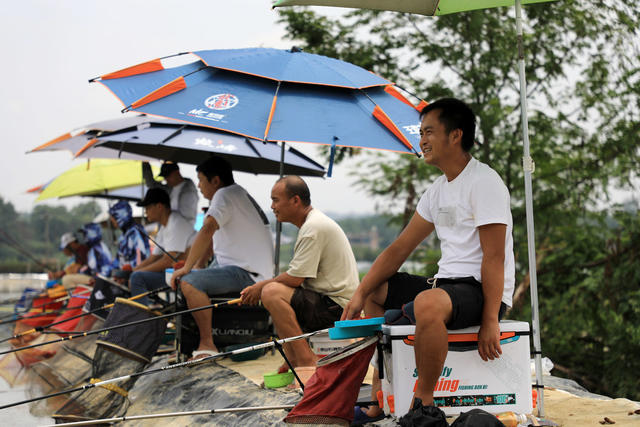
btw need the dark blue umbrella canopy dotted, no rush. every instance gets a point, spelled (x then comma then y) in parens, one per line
(193, 144)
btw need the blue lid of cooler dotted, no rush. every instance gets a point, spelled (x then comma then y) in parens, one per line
(355, 328)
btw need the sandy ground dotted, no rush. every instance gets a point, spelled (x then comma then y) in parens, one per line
(255, 369)
(563, 408)
(570, 410)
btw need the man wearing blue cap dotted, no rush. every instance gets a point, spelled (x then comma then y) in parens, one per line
(99, 257)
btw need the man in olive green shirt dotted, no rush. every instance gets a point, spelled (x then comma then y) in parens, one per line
(322, 275)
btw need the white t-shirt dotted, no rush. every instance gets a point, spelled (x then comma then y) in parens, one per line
(474, 198)
(244, 238)
(184, 199)
(323, 256)
(176, 236)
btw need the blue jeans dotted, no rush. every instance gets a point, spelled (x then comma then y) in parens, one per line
(219, 280)
(145, 281)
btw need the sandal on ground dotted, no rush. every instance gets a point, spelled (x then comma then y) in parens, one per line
(202, 354)
(360, 417)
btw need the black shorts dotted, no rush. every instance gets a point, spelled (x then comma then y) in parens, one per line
(314, 311)
(465, 293)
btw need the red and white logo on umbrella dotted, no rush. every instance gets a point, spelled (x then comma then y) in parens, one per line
(221, 101)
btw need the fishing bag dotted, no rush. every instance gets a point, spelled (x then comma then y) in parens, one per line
(331, 393)
(477, 418)
(120, 352)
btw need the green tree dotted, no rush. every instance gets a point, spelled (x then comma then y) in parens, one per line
(8, 221)
(583, 78)
(25, 238)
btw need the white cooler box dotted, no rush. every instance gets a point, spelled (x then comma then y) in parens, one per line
(466, 381)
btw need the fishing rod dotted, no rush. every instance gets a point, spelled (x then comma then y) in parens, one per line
(21, 315)
(35, 316)
(174, 414)
(10, 241)
(174, 259)
(60, 299)
(124, 325)
(169, 367)
(104, 307)
(43, 313)
(50, 293)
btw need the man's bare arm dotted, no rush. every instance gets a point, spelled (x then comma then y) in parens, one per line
(388, 262)
(161, 263)
(251, 294)
(492, 238)
(150, 260)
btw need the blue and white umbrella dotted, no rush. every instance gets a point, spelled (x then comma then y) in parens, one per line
(274, 95)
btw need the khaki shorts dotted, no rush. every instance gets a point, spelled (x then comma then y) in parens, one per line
(70, 281)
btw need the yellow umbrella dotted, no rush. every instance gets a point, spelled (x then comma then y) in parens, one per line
(95, 176)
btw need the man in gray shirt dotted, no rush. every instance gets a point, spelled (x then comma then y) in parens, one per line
(182, 191)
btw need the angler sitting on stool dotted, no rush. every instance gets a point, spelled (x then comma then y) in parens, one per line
(322, 275)
(70, 275)
(242, 247)
(133, 243)
(469, 208)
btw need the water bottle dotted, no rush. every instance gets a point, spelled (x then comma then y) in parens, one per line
(511, 419)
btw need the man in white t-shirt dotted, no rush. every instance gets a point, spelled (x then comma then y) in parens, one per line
(242, 247)
(182, 191)
(322, 275)
(469, 208)
(175, 236)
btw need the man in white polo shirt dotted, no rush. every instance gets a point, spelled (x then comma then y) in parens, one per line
(469, 208)
(242, 247)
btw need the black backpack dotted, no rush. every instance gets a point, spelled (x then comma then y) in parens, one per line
(477, 418)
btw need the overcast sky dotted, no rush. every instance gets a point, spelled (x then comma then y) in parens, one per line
(51, 48)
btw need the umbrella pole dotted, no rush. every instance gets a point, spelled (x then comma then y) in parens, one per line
(528, 166)
(276, 260)
(109, 224)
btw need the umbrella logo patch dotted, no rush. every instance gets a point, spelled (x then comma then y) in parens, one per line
(221, 101)
(413, 129)
(215, 145)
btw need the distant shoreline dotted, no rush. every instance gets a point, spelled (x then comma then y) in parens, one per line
(16, 282)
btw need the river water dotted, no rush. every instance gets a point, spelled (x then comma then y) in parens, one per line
(14, 384)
